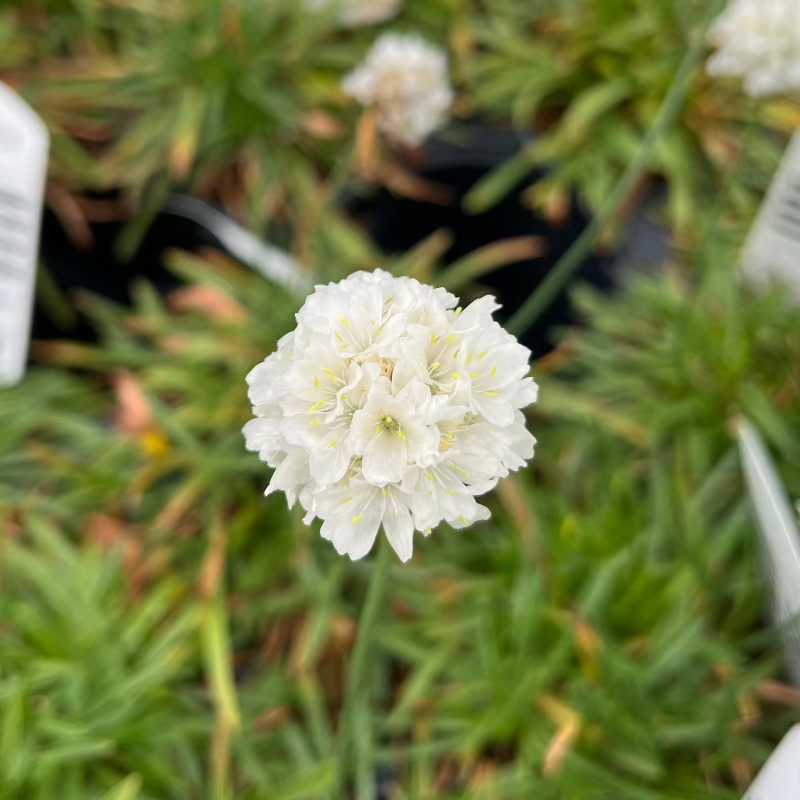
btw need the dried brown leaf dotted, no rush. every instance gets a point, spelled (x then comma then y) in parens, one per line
(367, 142)
(743, 772)
(112, 533)
(70, 215)
(780, 693)
(272, 719)
(323, 126)
(210, 300)
(134, 416)
(561, 745)
(412, 186)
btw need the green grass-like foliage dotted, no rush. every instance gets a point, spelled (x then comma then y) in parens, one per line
(241, 102)
(166, 633)
(589, 76)
(169, 633)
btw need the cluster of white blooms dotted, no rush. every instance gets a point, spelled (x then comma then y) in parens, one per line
(388, 405)
(407, 81)
(355, 13)
(759, 41)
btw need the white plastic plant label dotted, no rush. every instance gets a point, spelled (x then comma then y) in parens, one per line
(780, 778)
(23, 168)
(271, 262)
(772, 251)
(780, 539)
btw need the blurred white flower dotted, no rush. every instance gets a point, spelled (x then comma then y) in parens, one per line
(355, 13)
(389, 406)
(759, 41)
(407, 81)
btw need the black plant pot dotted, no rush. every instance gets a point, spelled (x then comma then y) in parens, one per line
(184, 223)
(397, 224)
(98, 268)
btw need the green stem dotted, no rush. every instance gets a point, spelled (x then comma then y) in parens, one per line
(352, 744)
(558, 277)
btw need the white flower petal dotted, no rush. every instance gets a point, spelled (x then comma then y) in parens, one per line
(386, 407)
(481, 513)
(759, 42)
(291, 472)
(355, 13)
(385, 459)
(262, 434)
(407, 80)
(494, 409)
(352, 516)
(397, 523)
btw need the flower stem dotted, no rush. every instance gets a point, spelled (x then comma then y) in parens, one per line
(353, 747)
(557, 278)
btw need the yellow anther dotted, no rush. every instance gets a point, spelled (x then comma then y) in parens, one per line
(384, 492)
(483, 355)
(458, 311)
(358, 519)
(494, 371)
(464, 520)
(474, 375)
(345, 322)
(316, 407)
(344, 347)
(435, 365)
(402, 435)
(314, 423)
(460, 469)
(332, 444)
(378, 430)
(451, 339)
(456, 376)
(336, 334)
(433, 338)
(491, 394)
(346, 501)
(449, 491)
(316, 382)
(328, 371)
(430, 477)
(389, 420)
(469, 358)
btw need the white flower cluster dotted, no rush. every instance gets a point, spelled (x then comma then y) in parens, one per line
(759, 41)
(407, 81)
(355, 13)
(388, 405)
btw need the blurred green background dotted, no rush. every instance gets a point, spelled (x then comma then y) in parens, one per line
(167, 633)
